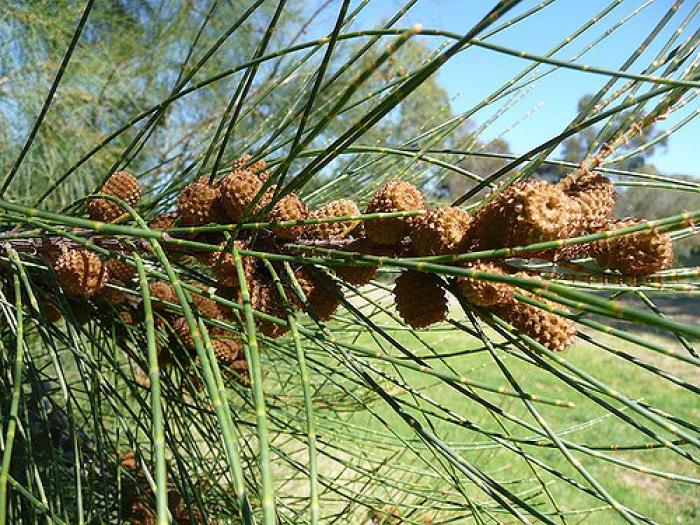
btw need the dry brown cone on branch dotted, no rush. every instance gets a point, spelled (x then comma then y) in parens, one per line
(333, 230)
(50, 311)
(120, 271)
(642, 253)
(122, 185)
(420, 300)
(182, 329)
(164, 221)
(357, 274)
(81, 273)
(395, 196)
(162, 291)
(289, 208)
(199, 203)
(440, 231)
(526, 213)
(595, 195)
(264, 298)
(238, 190)
(482, 292)
(223, 265)
(113, 296)
(549, 329)
(227, 350)
(322, 294)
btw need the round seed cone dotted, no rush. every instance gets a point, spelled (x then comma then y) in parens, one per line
(112, 295)
(227, 350)
(289, 208)
(333, 230)
(164, 221)
(50, 311)
(440, 231)
(120, 271)
(642, 253)
(80, 273)
(322, 294)
(360, 275)
(141, 514)
(549, 329)
(526, 213)
(182, 330)
(198, 203)
(164, 292)
(238, 189)
(238, 371)
(265, 299)
(396, 195)
(420, 301)
(595, 195)
(223, 266)
(485, 293)
(122, 185)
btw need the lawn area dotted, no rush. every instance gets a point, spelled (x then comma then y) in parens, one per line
(661, 499)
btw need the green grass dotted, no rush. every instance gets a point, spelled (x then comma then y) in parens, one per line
(665, 501)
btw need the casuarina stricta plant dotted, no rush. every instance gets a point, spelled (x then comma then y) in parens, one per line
(256, 270)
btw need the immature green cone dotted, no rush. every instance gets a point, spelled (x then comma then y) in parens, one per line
(321, 293)
(595, 195)
(198, 203)
(122, 185)
(289, 208)
(80, 273)
(549, 329)
(333, 230)
(482, 292)
(420, 300)
(239, 188)
(526, 213)
(396, 195)
(440, 231)
(642, 253)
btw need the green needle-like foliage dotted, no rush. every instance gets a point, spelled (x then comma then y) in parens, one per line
(154, 391)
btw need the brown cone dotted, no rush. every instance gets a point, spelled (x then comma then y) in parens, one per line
(526, 213)
(360, 275)
(50, 311)
(265, 299)
(238, 189)
(122, 185)
(80, 273)
(112, 295)
(549, 329)
(164, 292)
(164, 221)
(420, 301)
(120, 271)
(289, 208)
(485, 293)
(396, 195)
(182, 330)
(227, 350)
(595, 195)
(333, 230)
(223, 266)
(321, 293)
(641, 253)
(198, 203)
(440, 231)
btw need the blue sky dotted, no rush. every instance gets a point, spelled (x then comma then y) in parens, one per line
(550, 105)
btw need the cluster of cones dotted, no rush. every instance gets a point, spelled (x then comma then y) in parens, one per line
(524, 213)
